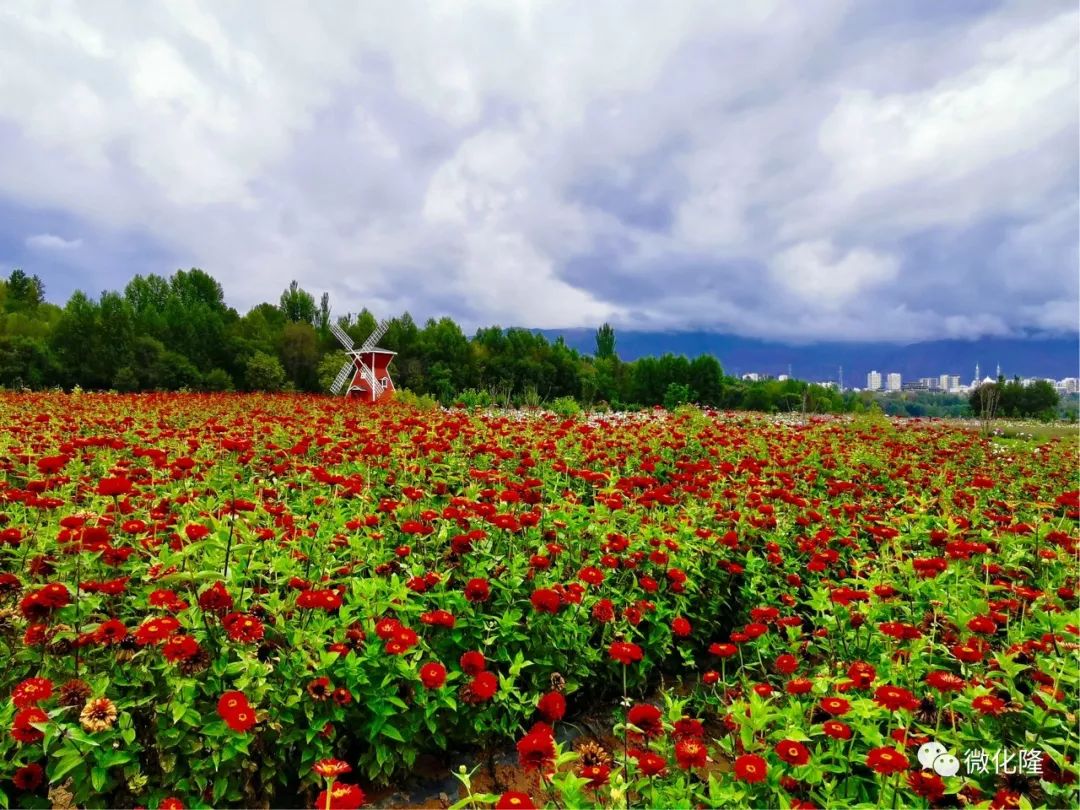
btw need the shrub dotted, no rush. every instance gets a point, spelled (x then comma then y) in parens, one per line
(264, 373)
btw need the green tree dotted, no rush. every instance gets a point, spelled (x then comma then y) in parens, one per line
(264, 373)
(299, 353)
(23, 292)
(298, 305)
(605, 342)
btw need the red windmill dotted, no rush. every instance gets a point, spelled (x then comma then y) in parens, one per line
(367, 367)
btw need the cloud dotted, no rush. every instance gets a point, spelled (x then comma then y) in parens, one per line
(52, 242)
(851, 170)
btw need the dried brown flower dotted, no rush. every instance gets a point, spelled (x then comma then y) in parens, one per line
(98, 714)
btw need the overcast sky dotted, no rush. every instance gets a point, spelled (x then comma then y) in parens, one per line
(892, 170)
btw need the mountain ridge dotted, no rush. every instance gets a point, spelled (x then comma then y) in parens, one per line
(1056, 357)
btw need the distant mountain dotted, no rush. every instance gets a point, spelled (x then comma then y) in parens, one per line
(1026, 357)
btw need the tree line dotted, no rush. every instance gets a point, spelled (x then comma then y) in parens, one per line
(178, 333)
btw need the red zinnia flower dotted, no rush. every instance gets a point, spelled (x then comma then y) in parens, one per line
(545, 600)
(988, 704)
(477, 590)
(113, 487)
(331, 768)
(243, 627)
(786, 663)
(513, 800)
(647, 719)
(928, 785)
(484, 686)
(649, 763)
(625, 652)
(552, 706)
(837, 730)
(835, 706)
(21, 728)
(473, 663)
(180, 648)
(690, 752)
(895, 698)
(234, 709)
(31, 691)
(340, 797)
(793, 752)
(945, 681)
(28, 778)
(680, 627)
(887, 760)
(723, 650)
(751, 768)
(433, 675)
(536, 751)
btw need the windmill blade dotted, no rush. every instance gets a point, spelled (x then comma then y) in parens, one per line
(342, 337)
(374, 337)
(342, 376)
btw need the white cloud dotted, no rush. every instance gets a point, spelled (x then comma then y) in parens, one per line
(820, 274)
(50, 241)
(767, 167)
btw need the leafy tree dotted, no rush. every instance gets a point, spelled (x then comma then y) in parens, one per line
(264, 373)
(677, 394)
(218, 380)
(299, 353)
(605, 342)
(298, 305)
(23, 292)
(329, 367)
(27, 361)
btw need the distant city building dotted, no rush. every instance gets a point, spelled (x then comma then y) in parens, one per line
(943, 383)
(783, 378)
(873, 381)
(1070, 385)
(916, 385)
(954, 383)
(892, 382)
(753, 376)
(928, 383)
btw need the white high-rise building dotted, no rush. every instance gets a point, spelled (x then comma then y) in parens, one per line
(873, 381)
(943, 382)
(892, 382)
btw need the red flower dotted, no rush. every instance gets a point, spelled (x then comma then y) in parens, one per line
(835, 706)
(945, 681)
(180, 648)
(887, 760)
(603, 611)
(545, 600)
(596, 774)
(473, 663)
(31, 691)
(216, 599)
(786, 664)
(536, 751)
(477, 590)
(751, 768)
(234, 709)
(895, 698)
(112, 631)
(988, 704)
(625, 652)
(340, 797)
(837, 730)
(113, 487)
(647, 719)
(793, 752)
(928, 785)
(28, 778)
(155, 631)
(680, 627)
(21, 728)
(690, 752)
(552, 706)
(171, 803)
(243, 627)
(649, 763)
(331, 768)
(433, 675)
(723, 650)
(484, 686)
(512, 800)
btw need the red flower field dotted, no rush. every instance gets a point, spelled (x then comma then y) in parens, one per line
(236, 600)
